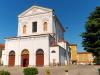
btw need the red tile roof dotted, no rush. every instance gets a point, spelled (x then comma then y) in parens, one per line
(84, 53)
(2, 46)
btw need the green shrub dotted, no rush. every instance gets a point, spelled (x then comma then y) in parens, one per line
(66, 68)
(30, 71)
(47, 71)
(4, 72)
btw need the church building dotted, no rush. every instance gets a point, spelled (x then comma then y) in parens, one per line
(39, 41)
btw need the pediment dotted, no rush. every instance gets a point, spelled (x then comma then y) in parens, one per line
(34, 10)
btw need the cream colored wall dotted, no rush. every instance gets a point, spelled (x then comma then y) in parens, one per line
(85, 58)
(31, 44)
(54, 55)
(40, 19)
(59, 55)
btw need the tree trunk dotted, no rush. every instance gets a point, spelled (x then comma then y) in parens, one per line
(98, 60)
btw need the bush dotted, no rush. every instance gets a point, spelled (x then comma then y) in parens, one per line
(4, 72)
(30, 71)
(47, 71)
(66, 68)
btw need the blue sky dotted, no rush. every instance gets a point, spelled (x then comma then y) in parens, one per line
(72, 14)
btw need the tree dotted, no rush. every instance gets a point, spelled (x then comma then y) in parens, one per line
(91, 36)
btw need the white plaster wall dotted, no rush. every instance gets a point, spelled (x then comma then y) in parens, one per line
(68, 54)
(32, 44)
(63, 45)
(59, 32)
(62, 56)
(54, 55)
(66, 48)
(4, 58)
(40, 19)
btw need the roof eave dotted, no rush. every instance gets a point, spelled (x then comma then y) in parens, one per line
(34, 6)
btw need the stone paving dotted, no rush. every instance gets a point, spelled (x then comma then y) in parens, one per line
(19, 70)
(83, 70)
(72, 70)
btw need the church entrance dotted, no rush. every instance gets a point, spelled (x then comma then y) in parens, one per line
(40, 57)
(11, 58)
(25, 58)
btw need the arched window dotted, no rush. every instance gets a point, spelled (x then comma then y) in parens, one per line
(45, 26)
(11, 53)
(39, 51)
(24, 29)
(53, 51)
(25, 51)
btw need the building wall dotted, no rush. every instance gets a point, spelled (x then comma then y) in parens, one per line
(31, 44)
(54, 56)
(40, 19)
(85, 58)
(59, 55)
(59, 31)
(63, 44)
(73, 53)
(62, 56)
(68, 53)
(36, 40)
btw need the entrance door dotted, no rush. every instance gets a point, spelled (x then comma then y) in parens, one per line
(25, 58)
(11, 58)
(39, 57)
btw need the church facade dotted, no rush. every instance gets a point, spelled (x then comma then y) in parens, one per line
(39, 41)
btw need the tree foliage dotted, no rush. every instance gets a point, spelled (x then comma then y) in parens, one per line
(91, 36)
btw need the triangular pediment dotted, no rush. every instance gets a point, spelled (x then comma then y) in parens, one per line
(34, 10)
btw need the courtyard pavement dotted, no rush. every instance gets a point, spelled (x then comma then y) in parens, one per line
(19, 70)
(83, 70)
(72, 70)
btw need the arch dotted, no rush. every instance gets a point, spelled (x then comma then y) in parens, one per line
(45, 26)
(39, 57)
(24, 29)
(53, 51)
(11, 58)
(25, 51)
(25, 58)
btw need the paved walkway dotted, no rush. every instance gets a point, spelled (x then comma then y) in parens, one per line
(19, 70)
(73, 70)
(83, 70)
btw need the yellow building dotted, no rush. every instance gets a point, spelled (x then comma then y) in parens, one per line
(73, 48)
(85, 58)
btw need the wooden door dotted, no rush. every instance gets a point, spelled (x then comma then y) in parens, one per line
(25, 60)
(11, 61)
(40, 58)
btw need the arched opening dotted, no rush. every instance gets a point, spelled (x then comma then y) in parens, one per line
(25, 58)
(24, 29)
(45, 26)
(11, 58)
(39, 57)
(53, 51)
